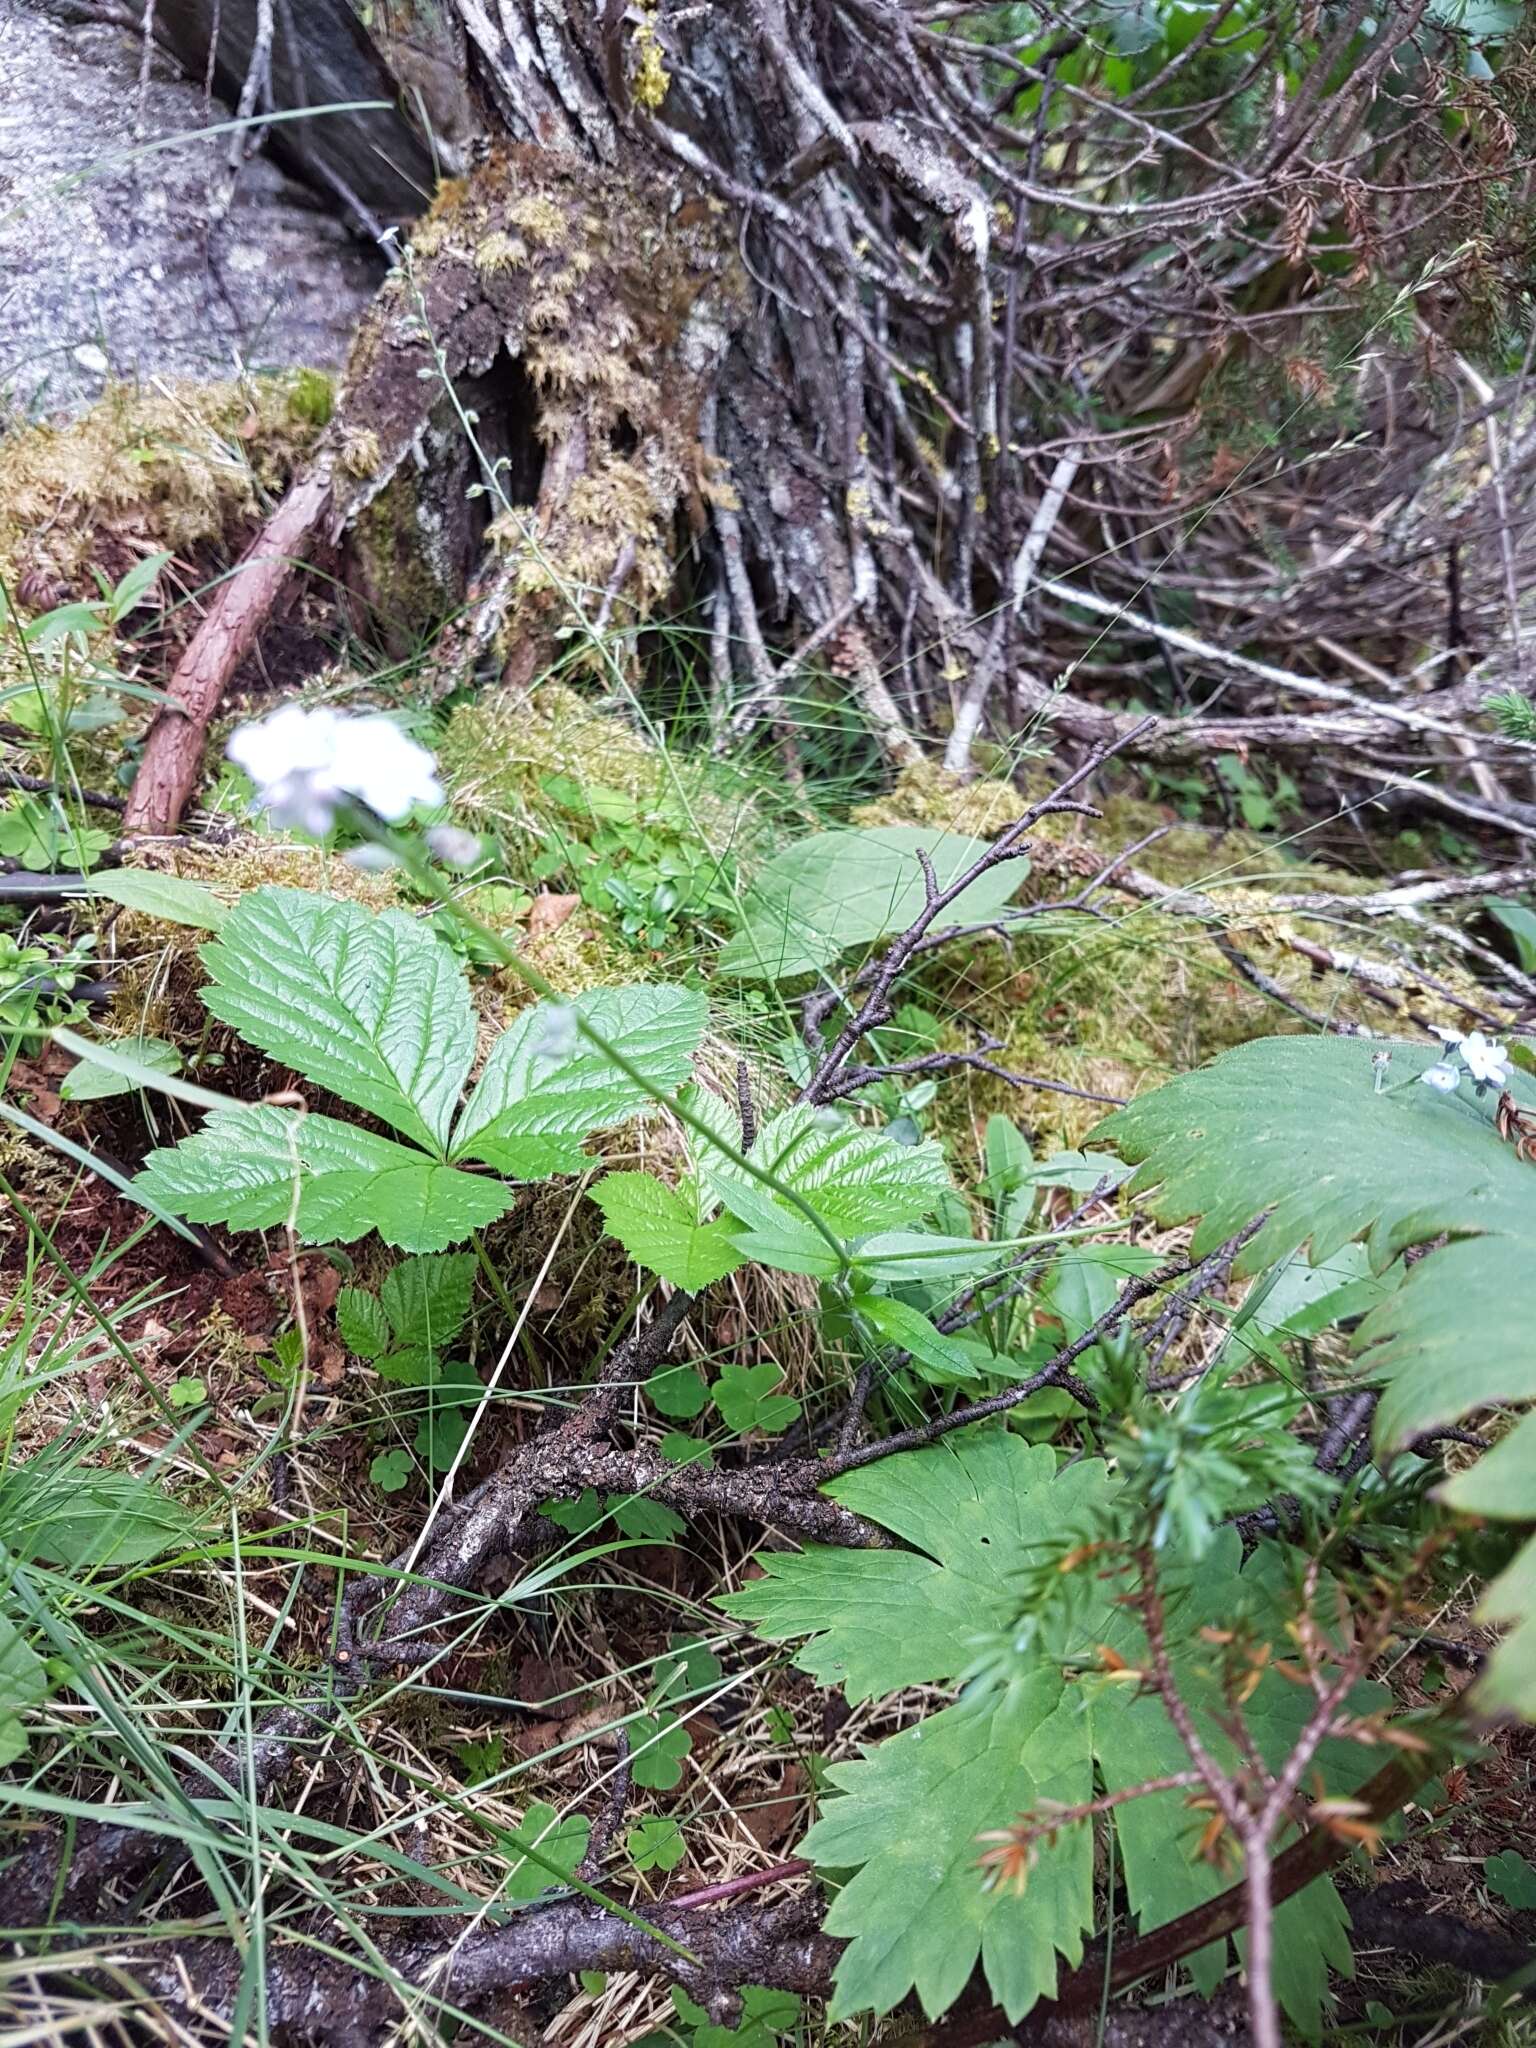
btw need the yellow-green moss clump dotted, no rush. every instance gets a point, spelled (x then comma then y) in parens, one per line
(143, 470)
(1119, 1003)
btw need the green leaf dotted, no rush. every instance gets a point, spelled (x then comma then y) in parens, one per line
(391, 1470)
(658, 1743)
(255, 1166)
(187, 1393)
(546, 1851)
(166, 898)
(88, 1082)
(86, 1518)
(974, 1510)
(645, 1521)
(1296, 1126)
(856, 1180)
(1520, 923)
(661, 1230)
(745, 1398)
(427, 1300)
(678, 1391)
(909, 1328)
(916, 1915)
(23, 1684)
(901, 1257)
(1509, 1876)
(545, 1088)
(822, 895)
(371, 1006)
(982, 1513)
(655, 1843)
(362, 1322)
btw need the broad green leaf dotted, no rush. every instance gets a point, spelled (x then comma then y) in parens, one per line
(856, 1180)
(167, 898)
(546, 1088)
(88, 1518)
(1297, 1127)
(791, 1245)
(975, 1510)
(660, 1229)
(678, 1391)
(745, 1398)
(1520, 922)
(86, 1081)
(427, 1300)
(655, 1843)
(982, 1513)
(545, 1851)
(23, 1684)
(371, 1006)
(256, 1167)
(901, 1256)
(916, 1915)
(822, 895)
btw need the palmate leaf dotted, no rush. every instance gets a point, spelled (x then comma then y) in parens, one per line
(372, 1007)
(1295, 1126)
(545, 1088)
(979, 1511)
(257, 1167)
(822, 895)
(916, 1914)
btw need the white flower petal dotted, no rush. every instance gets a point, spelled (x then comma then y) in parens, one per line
(1440, 1076)
(303, 761)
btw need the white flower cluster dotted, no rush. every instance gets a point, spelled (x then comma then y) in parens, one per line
(1483, 1060)
(305, 763)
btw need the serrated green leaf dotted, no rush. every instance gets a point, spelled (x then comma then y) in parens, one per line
(545, 1088)
(371, 1006)
(427, 1299)
(916, 1915)
(975, 1510)
(167, 898)
(822, 895)
(362, 1322)
(254, 1166)
(1296, 1126)
(661, 1231)
(981, 1511)
(856, 1180)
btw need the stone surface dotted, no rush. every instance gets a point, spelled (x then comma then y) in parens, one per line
(111, 262)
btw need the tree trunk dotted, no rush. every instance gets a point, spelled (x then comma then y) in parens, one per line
(879, 327)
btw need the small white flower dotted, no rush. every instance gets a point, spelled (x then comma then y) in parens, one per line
(1487, 1061)
(304, 763)
(453, 846)
(1443, 1077)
